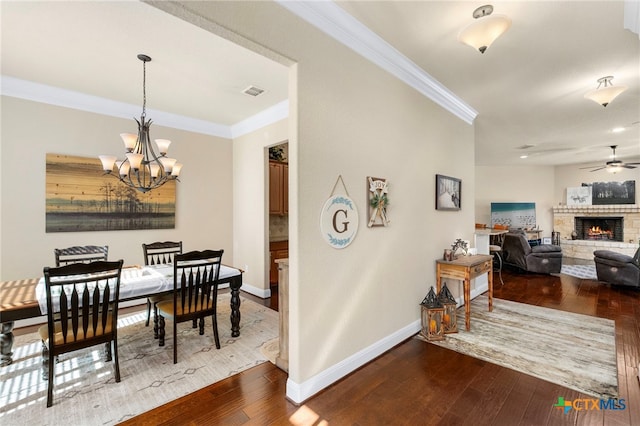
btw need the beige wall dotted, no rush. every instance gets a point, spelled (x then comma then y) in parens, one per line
(574, 176)
(516, 184)
(344, 303)
(30, 130)
(544, 185)
(251, 218)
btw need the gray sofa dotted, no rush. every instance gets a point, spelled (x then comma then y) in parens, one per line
(542, 259)
(617, 268)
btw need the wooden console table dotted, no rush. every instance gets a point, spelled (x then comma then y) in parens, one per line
(465, 268)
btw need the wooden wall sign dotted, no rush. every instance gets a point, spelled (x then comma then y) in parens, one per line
(378, 202)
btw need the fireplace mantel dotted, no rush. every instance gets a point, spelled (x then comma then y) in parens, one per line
(602, 209)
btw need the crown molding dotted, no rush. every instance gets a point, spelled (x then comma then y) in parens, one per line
(29, 90)
(271, 115)
(334, 21)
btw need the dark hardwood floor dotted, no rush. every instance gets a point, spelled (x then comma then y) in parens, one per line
(417, 383)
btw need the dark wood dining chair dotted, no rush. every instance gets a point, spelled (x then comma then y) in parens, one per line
(82, 254)
(195, 293)
(158, 253)
(82, 311)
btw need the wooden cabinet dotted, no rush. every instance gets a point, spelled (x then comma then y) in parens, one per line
(278, 188)
(278, 250)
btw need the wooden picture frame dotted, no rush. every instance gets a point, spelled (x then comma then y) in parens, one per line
(448, 193)
(378, 200)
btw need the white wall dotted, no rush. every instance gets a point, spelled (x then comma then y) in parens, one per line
(30, 130)
(347, 306)
(516, 184)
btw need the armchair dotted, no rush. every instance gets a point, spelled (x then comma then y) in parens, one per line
(617, 268)
(543, 259)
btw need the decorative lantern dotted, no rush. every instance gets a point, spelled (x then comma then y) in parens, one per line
(449, 304)
(432, 313)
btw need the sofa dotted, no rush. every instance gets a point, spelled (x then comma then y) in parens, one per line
(542, 259)
(617, 268)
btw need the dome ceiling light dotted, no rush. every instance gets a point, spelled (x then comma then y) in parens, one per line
(485, 29)
(605, 92)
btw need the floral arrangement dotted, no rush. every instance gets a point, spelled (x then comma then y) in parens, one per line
(460, 244)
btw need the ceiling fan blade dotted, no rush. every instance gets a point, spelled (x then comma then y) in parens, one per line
(632, 164)
(599, 168)
(589, 167)
(627, 166)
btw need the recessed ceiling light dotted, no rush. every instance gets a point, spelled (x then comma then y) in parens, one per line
(524, 156)
(617, 130)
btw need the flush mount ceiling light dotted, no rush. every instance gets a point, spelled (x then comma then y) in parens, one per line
(605, 92)
(143, 169)
(485, 29)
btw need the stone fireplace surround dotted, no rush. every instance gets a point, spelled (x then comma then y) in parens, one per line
(564, 222)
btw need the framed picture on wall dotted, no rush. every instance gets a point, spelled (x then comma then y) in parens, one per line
(448, 193)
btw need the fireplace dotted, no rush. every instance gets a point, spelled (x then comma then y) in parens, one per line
(599, 228)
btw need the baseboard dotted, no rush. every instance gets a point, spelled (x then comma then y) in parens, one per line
(300, 392)
(263, 293)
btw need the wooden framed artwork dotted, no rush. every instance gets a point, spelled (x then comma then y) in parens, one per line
(377, 190)
(448, 193)
(80, 197)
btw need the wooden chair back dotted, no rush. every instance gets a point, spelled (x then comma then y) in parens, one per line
(82, 254)
(161, 252)
(82, 311)
(195, 284)
(195, 294)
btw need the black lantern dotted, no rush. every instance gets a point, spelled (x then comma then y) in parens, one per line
(432, 314)
(449, 304)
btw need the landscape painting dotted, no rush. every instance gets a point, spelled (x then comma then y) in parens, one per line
(604, 193)
(80, 197)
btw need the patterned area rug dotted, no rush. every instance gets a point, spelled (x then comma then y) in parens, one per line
(571, 350)
(85, 392)
(587, 272)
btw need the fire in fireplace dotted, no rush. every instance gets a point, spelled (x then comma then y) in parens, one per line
(599, 228)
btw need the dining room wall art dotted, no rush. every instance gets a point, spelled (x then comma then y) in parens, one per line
(448, 193)
(80, 198)
(378, 191)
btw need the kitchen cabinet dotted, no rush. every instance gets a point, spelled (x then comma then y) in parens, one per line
(278, 250)
(278, 188)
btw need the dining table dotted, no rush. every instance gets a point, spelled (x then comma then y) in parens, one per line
(26, 298)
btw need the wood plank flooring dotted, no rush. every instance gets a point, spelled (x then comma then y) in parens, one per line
(417, 383)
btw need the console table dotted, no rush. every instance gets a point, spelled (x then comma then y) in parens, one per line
(465, 268)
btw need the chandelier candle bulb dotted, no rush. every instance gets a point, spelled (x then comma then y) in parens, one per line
(163, 146)
(168, 164)
(107, 162)
(176, 169)
(129, 140)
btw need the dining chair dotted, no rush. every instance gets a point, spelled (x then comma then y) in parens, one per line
(83, 254)
(195, 293)
(158, 253)
(82, 311)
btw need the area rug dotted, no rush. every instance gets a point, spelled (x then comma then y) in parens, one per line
(85, 392)
(587, 272)
(572, 350)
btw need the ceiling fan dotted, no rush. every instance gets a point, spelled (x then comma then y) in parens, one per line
(614, 165)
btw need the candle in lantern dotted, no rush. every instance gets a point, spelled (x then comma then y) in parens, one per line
(432, 326)
(447, 319)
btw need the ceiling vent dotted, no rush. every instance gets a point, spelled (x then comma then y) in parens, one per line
(252, 91)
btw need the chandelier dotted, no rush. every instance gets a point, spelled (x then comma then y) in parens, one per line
(605, 92)
(485, 29)
(142, 169)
